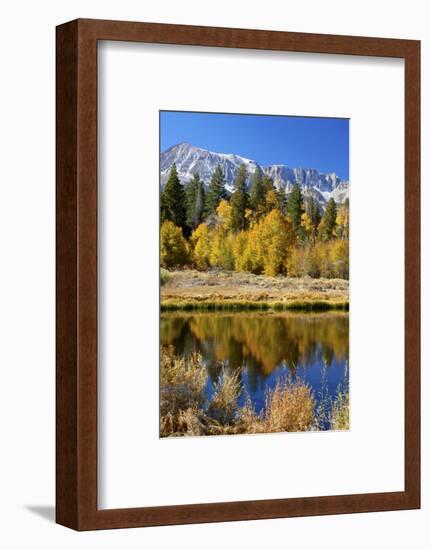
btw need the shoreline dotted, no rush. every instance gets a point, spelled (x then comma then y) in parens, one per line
(227, 305)
(192, 290)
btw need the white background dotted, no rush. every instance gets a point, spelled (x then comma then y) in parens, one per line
(136, 468)
(27, 289)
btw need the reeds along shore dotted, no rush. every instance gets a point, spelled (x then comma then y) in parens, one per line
(289, 407)
(248, 305)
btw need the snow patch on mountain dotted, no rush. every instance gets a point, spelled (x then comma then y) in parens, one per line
(190, 159)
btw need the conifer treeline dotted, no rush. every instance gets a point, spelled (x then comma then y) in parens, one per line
(260, 230)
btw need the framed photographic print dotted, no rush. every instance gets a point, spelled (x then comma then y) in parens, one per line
(238, 276)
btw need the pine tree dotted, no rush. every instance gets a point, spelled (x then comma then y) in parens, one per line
(268, 184)
(216, 191)
(239, 200)
(195, 201)
(257, 190)
(315, 214)
(313, 211)
(172, 200)
(190, 189)
(295, 208)
(327, 225)
(282, 200)
(200, 203)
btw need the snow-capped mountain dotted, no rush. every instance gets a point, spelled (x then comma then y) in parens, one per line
(190, 159)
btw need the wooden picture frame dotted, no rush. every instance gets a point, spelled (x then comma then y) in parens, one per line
(76, 209)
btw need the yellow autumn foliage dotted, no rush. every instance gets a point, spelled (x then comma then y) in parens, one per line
(201, 242)
(269, 246)
(173, 246)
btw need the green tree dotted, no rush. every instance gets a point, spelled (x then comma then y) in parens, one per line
(328, 223)
(172, 200)
(216, 191)
(173, 246)
(200, 203)
(195, 201)
(257, 190)
(282, 200)
(268, 184)
(313, 211)
(295, 208)
(239, 200)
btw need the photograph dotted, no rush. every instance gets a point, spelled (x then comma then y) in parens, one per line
(254, 274)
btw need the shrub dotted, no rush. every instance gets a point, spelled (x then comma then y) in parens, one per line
(165, 276)
(223, 405)
(289, 407)
(182, 391)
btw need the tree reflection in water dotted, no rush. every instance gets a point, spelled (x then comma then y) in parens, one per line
(263, 346)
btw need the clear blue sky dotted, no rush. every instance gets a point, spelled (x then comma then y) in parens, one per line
(308, 142)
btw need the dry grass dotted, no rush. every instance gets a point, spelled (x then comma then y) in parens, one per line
(185, 411)
(340, 417)
(212, 290)
(182, 393)
(223, 405)
(289, 407)
(165, 276)
(340, 406)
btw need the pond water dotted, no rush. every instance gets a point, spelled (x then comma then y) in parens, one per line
(264, 347)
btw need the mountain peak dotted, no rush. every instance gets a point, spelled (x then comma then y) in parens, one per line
(183, 145)
(190, 159)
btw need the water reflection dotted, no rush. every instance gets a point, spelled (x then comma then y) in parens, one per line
(263, 346)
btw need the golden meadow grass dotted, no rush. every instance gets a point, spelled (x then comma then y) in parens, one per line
(191, 290)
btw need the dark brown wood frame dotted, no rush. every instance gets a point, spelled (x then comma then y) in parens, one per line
(76, 374)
